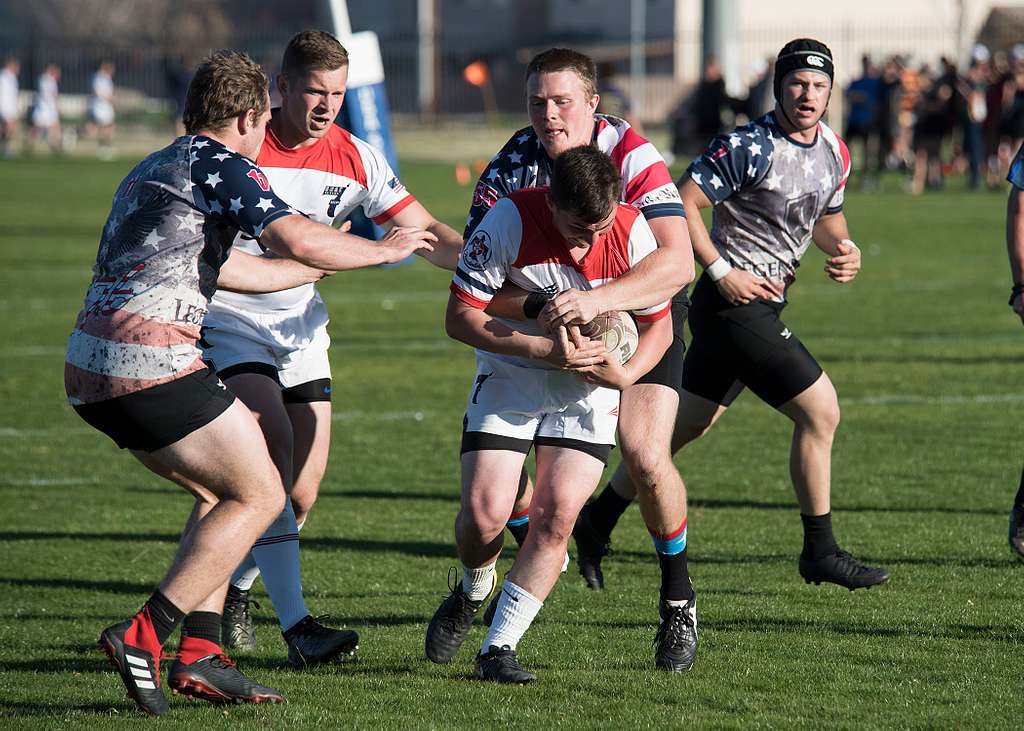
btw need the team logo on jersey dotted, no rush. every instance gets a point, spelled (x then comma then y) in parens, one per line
(816, 61)
(484, 195)
(260, 178)
(478, 251)
(336, 191)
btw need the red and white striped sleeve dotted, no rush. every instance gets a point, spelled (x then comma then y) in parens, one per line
(642, 243)
(488, 255)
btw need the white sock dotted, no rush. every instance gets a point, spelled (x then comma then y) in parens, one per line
(277, 555)
(514, 615)
(246, 573)
(477, 583)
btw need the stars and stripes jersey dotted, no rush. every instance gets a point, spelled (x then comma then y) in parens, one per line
(1016, 173)
(769, 191)
(326, 180)
(171, 224)
(524, 163)
(518, 241)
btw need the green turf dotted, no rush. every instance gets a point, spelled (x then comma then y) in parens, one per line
(923, 351)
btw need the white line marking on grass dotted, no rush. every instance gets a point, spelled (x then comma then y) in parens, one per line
(49, 482)
(380, 415)
(911, 399)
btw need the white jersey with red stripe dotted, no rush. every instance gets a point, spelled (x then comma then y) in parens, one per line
(524, 163)
(517, 241)
(326, 181)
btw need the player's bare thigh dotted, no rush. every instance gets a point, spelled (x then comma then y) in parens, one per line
(696, 415)
(226, 459)
(262, 395)
(311, 434)
(490, 482)
(647, 412)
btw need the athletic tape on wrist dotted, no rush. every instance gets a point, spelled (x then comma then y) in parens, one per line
(534, 303)
(849, 242)
(718, 268)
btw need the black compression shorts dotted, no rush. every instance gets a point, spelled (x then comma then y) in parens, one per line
(669, 370)
(156, 417)
(746, 343)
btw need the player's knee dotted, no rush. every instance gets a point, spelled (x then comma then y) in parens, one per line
(479, 525)
(647, 466)
(554, 528)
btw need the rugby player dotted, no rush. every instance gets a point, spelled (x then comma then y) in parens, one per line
(775, 183)
(1015, 248)
(558, 393)
(561, 103)
(133, 369)
(271, 349)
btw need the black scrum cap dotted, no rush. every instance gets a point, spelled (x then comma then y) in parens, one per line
(802, 54)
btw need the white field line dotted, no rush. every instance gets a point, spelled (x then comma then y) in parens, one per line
(10, 432)
(49, 482)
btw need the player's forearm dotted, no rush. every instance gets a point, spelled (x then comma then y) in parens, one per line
(655, 338)
(830, 231)
(655, 278)
(509, 303)
(1015, 233)
(320, 246)
(448, 248)
(479, 330)
(249, 274)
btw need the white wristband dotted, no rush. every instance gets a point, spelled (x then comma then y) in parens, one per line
(718, 268)
(848, 242)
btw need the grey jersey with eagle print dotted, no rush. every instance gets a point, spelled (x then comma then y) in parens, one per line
(768, 191)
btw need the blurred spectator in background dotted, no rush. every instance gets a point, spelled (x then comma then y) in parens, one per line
(932, 114)
(45, 117)
(973, 110)
(760, 97)
(614, 100)
(177, 75)
(861, 130)
(699, 118)
(887, 119)
(101, 109)
(9, 105)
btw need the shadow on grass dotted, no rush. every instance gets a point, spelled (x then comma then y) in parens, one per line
(20, 709)
(763, 505)
(112, 587)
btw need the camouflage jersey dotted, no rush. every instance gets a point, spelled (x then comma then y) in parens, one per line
(169, 231)
(769, 191)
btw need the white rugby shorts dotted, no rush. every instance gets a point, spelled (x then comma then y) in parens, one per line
(295, 341)
(533, 403)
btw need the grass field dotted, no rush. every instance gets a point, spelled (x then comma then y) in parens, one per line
(924, 353)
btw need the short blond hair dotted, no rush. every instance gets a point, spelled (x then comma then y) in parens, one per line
(312, 50)
(226, 84)
(554, 60)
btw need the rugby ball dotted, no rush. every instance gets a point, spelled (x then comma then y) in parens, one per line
(618, 332)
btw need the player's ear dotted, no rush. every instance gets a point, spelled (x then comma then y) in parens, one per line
(246, 121)
(282, 84)
(594, 101)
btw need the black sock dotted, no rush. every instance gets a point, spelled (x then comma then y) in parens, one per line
(605, 512)
(818, 538)
(1019, 500)
(519, 532)
(675, 577)
(203, 626)
(164, 615)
